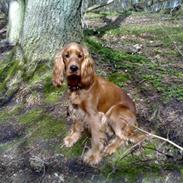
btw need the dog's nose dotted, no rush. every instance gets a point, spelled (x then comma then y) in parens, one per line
(73, 68)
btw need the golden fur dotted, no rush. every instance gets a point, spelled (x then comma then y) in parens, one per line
(96, 104)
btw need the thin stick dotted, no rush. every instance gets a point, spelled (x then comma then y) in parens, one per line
(96, 6)
(161, 138)
(130, 149)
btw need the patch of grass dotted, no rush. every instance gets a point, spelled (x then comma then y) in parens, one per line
(75, 151)
(113, 55)
(129, 168)
(4, 115)
(134, 166)
(119, 78)
(94, 15)
(9, 113)
(48, 127)
(31, 117)
(149, 150)
(174, 92)
(165, 34)
(166, 90)
(181, 171)
(138, 68)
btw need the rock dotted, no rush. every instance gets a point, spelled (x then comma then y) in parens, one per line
(37, 164)
(134, 49)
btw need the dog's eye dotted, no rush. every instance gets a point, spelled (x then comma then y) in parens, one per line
(80, 56)
(67, 55)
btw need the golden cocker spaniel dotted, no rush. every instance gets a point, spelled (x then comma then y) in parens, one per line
(96, 104)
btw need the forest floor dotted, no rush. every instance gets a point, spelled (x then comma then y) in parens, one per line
(141, 53)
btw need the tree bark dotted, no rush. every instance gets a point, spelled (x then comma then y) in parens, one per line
(48, 25)
(15, 20)
(45, 27)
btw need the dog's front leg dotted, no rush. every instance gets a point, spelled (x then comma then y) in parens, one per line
(75, 134)
(94, 155)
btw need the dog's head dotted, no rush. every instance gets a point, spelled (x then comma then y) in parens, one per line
(75, 63)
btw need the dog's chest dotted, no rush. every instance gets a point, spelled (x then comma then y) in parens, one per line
(77, 114)
(75, 108)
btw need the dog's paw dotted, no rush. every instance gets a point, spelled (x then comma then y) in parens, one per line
(92, 158)
(69, 141)
(110, 149)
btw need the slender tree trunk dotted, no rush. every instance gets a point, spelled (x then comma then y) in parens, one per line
(15, 20)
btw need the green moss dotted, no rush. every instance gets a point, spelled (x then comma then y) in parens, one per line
(173, 92)
(16, 65)
(4, 115)
(165, 34)
(8, 113)
(3, 70)
(129, 168)
(52, 93)
(149, 150)
(139, 68)
(181, 171)
(113, 55)
(75, 151)
(95, 15)
(32, 116)
(5, 147)
(42, 72)
(50, 128)
(119, 78)
(8, 73)
(47, 126)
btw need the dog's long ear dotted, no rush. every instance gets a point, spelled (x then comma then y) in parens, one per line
(58, 69)
(87, 69)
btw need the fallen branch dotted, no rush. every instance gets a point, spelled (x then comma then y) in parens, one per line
(161, 138)
(176, 47)
(96, 6)
(128, 151)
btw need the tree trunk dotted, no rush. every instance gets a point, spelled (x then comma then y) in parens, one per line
(48, 24)
(15, 20)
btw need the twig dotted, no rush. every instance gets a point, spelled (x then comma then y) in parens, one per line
(161, 138)
(110, 173)
(96, 6)
(126, 153)
(130, 149)
(155, 149)
(85, 146)
(177, 48)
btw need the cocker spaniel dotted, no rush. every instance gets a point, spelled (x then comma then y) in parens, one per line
(96, 104)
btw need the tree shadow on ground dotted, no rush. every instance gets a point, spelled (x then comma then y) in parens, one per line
(109, 24)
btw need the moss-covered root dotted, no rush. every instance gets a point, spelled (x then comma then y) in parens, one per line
(11, 76)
